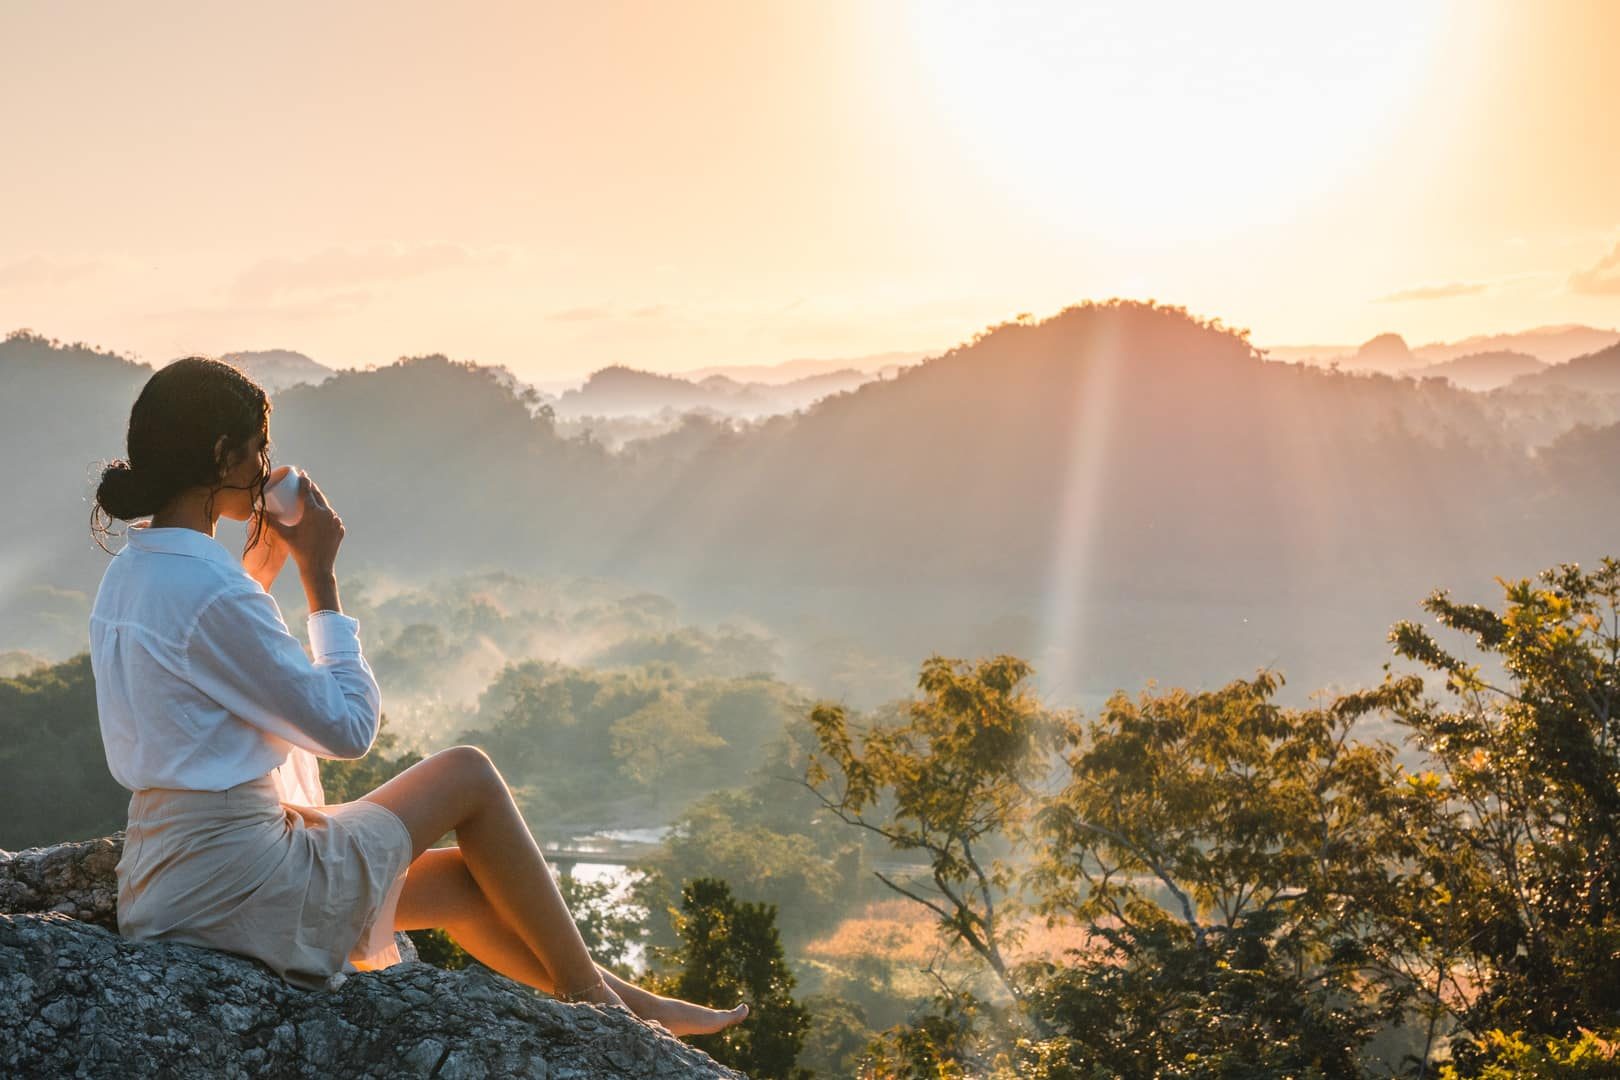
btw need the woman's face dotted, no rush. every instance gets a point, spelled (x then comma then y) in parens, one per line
(235, 500)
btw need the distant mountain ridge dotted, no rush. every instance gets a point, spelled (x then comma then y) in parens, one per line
(1134, 480)
(1597, 373)
(1483, 371)
(277, 369)
(1389, 353)
(624, 391)
(886, 363)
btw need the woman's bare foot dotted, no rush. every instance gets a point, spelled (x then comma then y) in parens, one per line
(685, 1018)
(676, 1016)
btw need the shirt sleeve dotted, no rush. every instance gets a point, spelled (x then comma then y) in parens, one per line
(241, 654)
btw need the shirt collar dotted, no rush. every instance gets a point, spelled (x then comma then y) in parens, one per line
(179, 540)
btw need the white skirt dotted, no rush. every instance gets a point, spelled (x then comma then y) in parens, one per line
(308, 890)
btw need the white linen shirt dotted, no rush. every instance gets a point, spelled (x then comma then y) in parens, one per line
(201, 685)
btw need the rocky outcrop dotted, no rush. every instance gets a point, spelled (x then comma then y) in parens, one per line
(76, 999)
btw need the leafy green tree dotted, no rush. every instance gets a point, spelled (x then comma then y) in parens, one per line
(588, 744)
(1242, 874)
(608, 926)
(660, 738)
(949, 782)
(1528, 771)
(837, 1036)
(53, 766)
(435, 946)
(1241, 870)
(1588, 1056)
(730, 953)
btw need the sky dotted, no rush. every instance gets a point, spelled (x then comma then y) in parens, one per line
(560, 187)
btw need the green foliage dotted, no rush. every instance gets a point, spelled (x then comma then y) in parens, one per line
(1526, 838)
(1590, 1055)
(770, 840)
(837, 1036)
(608, 926)
(730, 953)
(941, 1043)
(435, 946)
(1239, 867)
(1263, 892)
(588, 745)
(957, 773)
(662, 738)
(53, 766)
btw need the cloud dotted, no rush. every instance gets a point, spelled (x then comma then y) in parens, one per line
(327, 306)
(579, 314)
(342, 268)
(1435, 292)
(37, 270)
(1602, 278)
(599, 314)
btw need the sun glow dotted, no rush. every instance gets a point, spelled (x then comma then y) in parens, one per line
(1138, 120)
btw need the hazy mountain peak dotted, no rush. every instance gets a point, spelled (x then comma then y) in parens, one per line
(277, 369)
(1483, 370)
(1385, 352)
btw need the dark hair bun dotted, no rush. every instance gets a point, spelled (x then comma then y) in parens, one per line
(125, 494)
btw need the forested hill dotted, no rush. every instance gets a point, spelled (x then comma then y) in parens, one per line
(1596, 373)
(1126, 474)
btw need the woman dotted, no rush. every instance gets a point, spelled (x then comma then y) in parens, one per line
(212, 715)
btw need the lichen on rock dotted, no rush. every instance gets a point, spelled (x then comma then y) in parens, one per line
(78, 999)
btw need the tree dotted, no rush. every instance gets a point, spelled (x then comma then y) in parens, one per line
(950, 781)
(660, 738)
(608, 927)
(1239, 874)
(53, 764)
(1528, 771)
(1241, 871)
(730, 953)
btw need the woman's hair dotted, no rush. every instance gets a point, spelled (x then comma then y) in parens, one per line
(180, 414)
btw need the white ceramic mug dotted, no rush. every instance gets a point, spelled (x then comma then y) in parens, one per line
(282, 497)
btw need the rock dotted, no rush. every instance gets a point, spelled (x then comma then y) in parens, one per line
(77, 999)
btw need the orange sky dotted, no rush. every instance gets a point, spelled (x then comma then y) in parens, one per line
(560, 187)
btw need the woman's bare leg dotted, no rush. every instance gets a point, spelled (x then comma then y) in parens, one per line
(441, 892)
(460, 790)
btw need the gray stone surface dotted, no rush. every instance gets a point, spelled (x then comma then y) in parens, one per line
(78, 1000)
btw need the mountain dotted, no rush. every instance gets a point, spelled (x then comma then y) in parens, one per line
(519, 388)
(1134, 487)
(1482, 371)
(1385, 353)
(792, 370)
(1597, 373)
(625, 391)
(622, 391)
(277, 369)
(1549, 344)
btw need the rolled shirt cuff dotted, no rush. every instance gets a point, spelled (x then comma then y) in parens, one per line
(332, 633)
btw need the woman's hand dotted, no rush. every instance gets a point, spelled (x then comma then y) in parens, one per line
(313, 542)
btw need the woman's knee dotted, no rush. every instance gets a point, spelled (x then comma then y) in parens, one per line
(472, 767)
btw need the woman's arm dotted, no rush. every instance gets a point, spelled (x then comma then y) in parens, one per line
(265, 560)
(241, 654)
